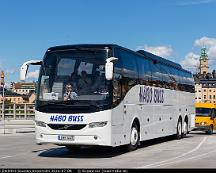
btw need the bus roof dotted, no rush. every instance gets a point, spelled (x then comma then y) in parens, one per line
(142, 53)
(159, 59)
(65, 47)
(205, 105)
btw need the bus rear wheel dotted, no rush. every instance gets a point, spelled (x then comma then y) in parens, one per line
(134, 138)
(185, 129)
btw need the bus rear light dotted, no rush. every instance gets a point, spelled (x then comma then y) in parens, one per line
(97, 124)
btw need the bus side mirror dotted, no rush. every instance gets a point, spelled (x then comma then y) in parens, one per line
(25, 66)
(109, 67)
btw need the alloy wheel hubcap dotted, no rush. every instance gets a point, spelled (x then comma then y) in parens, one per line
(134, 136)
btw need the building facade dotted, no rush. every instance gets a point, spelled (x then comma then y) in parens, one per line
(205, 82)
(23, 88)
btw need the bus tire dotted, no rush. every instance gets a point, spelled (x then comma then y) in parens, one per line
(134, 138)
(210, 131)
(178, 134)
(185, 129)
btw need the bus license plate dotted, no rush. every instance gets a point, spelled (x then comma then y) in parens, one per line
(65, 138)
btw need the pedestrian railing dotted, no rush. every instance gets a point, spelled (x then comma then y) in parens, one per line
(24, 111)
(17, 118)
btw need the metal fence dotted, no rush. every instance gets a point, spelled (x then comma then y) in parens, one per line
(17, 111)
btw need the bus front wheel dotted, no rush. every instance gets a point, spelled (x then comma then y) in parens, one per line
(210, 131)
(134, 138)
(179, 130)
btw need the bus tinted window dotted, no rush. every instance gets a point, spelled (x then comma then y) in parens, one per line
(144, 70)
(156, 77)
(129, 64)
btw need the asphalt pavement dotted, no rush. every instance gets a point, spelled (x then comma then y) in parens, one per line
(197, 150)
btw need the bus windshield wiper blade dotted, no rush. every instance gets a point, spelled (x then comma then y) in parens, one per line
(54, 104)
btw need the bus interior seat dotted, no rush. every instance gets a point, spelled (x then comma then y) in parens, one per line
(58, 88)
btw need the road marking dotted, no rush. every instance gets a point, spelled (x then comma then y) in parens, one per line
(171, 159)
(5, 157)
(185, 159)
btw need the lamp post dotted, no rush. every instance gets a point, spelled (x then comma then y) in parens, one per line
(3, 96)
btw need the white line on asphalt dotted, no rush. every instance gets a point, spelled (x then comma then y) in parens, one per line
(186, 159)
(163, 162)
(5, 157)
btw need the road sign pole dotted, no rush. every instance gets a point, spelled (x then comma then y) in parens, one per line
(3, 108)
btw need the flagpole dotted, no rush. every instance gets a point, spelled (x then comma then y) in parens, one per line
(3, 108)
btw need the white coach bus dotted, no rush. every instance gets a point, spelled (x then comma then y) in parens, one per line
(108, 95)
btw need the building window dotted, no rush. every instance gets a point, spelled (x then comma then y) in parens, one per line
(204, 96)
(210, 96)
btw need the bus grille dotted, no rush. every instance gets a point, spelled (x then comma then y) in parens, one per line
(66, 126)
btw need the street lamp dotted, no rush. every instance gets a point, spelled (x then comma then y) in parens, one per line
(3, 83)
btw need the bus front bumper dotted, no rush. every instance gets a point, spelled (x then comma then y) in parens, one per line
(70, 139)
(95, 136)
(202, 128)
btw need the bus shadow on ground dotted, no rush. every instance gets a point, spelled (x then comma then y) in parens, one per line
(99, 152)
(83, 152)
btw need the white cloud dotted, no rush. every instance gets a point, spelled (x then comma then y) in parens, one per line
(163, 51)
(193, 2)
(33, 74)
(11, 71)
(205, 41)
(210, 43)
(191, 62)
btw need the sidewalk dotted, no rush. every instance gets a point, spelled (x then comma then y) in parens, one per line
(17, 126)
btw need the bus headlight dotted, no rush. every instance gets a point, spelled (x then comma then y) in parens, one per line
(40, 123)
(97, 124)
(203, 123)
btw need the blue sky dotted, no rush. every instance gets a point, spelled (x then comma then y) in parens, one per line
(174, 29)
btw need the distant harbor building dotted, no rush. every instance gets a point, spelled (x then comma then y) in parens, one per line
(23, 88)
(205, 82)
(19, 93)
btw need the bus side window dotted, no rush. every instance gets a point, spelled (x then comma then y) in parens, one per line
(213, 113)
(129, 71)
(144, 71)
(156, 77)
(165, 76)
(117, 79)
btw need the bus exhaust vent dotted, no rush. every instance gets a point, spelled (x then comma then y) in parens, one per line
(66, 126)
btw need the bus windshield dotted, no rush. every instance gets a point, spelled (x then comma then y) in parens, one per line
(73, 76)
(203, 111)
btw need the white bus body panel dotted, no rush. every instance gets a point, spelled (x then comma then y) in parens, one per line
(157, 118)
(84, 136)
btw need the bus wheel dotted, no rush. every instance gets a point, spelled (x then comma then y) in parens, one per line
(72, 147)
(179, 130)
(134, 138)
(210, 131)
(185, 129)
